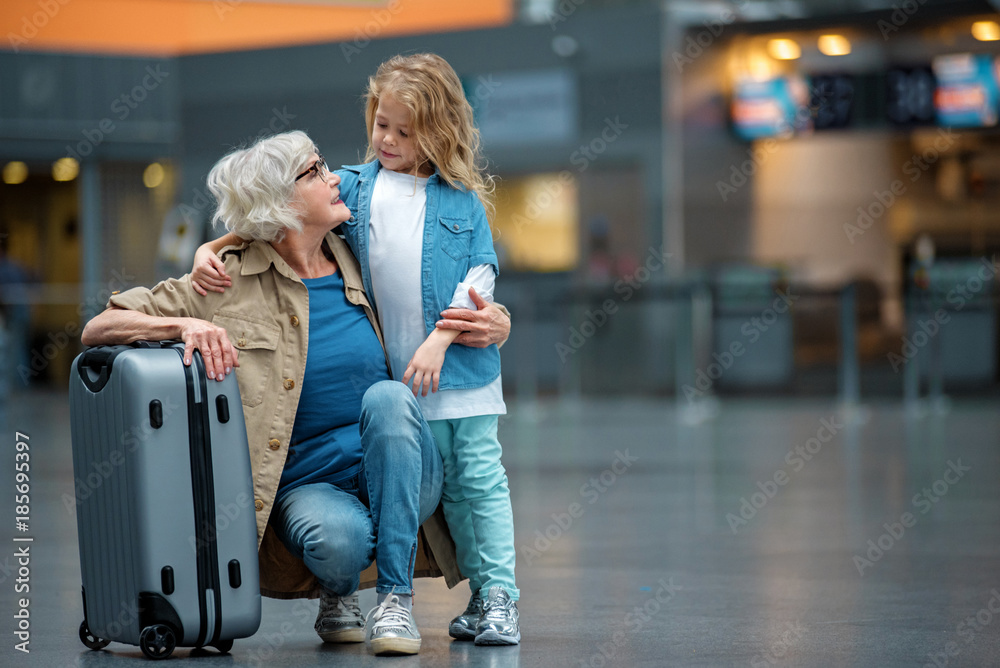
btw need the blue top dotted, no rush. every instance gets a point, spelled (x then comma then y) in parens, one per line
(344, 360)
(457, 237)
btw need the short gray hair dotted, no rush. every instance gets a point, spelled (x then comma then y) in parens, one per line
(255, 186)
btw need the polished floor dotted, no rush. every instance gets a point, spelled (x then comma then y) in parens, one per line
(774, 532)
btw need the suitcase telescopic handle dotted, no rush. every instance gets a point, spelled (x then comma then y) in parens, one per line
(156, 344)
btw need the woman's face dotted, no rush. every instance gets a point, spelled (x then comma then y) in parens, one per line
(318, 195)
(392, 138)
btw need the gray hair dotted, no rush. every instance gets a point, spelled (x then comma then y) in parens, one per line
(255, 187)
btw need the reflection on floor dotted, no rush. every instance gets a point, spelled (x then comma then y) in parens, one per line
(766, 533)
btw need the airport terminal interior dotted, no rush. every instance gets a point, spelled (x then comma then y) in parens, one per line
(749, 248)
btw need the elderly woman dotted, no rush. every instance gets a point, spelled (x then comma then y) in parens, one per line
(345, 468)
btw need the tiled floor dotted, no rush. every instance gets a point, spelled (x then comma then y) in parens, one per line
(766, 533)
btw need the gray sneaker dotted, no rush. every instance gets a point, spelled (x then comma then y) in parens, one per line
(498, 625)
(339, 619)
(463, 627)
(390, 629)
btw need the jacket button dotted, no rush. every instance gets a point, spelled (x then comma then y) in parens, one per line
(274, 444)
(294, 320)
(455, 227)
(241, 343)
(289, 384)
(259, 505)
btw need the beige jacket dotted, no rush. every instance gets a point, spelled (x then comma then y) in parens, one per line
(266, 313)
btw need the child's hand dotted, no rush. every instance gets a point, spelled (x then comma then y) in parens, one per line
(425, 366)
(209, 273)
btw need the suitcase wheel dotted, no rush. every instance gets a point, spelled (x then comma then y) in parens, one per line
(224, 645)
(157, 641)
(89, 639)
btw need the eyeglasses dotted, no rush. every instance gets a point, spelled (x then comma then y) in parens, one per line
(319, 167)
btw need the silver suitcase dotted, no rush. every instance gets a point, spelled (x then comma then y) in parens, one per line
(164, 500)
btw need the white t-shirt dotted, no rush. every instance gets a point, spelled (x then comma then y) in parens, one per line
(395, 250)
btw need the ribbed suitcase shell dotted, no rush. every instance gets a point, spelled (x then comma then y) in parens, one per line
(167, 527)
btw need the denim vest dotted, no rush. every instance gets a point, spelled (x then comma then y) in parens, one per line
(457, 237)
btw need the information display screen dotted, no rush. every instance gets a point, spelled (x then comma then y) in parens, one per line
(966, 94)
(955, 90)
(772, 108)
(909, 95)
(832, 100)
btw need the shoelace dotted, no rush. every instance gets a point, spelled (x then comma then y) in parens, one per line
(495, 609)
(391, 615)
(345, 606)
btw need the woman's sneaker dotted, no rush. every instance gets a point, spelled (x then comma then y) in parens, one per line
(463, 627)
(339, 619)
(390, 629)
(498, 625)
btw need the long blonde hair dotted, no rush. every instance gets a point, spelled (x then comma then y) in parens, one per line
(440, 119)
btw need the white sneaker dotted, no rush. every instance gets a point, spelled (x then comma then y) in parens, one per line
(339, 619)
(391, 629)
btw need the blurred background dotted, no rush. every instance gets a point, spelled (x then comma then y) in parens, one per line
(729, 233)
(696, 198)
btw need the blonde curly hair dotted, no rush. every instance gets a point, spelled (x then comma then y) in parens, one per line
(440, 119)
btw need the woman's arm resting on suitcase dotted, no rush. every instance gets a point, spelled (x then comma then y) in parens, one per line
(116, 325)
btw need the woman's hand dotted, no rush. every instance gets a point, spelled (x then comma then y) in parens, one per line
(476, 329)
(117, 325)
(209, 273)
(217, 351)
(425, 365)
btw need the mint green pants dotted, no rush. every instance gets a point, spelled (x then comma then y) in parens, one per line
(476, 501)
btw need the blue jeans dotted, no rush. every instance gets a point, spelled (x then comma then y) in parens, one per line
(476, 502)
(337, 529)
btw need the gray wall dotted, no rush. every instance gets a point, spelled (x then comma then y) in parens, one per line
(117, 108)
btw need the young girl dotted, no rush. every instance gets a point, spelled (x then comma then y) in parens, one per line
(420, 229)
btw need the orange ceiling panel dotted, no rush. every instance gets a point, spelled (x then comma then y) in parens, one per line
(177, 27)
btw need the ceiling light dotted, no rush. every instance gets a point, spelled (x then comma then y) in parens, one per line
(986, 31)
(784, 49)
(153, 175)
(15, 172)
(834, 45)
(65, 169)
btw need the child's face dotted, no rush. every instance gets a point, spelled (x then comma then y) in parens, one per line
(392, 139)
